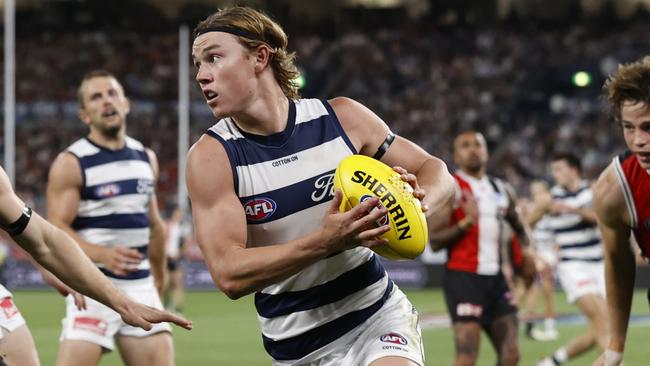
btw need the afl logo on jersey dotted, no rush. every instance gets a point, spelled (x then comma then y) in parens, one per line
(393, 338)
(259, 209)
(107, 190)
(382, 220)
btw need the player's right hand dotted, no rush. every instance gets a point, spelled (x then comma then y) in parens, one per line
(142, 316)
(120, 260)
(345, 230)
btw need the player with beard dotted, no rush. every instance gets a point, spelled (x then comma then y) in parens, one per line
(101, 191)
(622, 198)
(476, 292)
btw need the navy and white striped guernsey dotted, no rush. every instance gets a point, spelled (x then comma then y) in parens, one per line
(285, 184)
(116, 190)
(577, 239)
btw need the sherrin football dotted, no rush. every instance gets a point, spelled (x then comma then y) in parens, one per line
(360, 177)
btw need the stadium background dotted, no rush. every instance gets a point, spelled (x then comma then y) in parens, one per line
(527, 73)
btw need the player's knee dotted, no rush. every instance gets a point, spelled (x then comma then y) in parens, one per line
(509, 356)
(466, 359)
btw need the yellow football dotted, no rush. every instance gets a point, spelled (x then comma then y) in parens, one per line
(360, 177)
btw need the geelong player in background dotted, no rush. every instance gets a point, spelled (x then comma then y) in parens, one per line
(266, 216)
(58, 253)
(101, 191)
(476, 291)
(580, 267)
(622, 198)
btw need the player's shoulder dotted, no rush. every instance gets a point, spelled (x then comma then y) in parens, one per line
(209, 170)
(208, 153)
(608, 196)
(65, 169)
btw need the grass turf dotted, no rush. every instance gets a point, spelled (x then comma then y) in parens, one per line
(226, 332)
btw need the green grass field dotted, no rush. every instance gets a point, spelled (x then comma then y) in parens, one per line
(226, 333)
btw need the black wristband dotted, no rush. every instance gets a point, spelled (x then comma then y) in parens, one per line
(18, 226)
(384, 146)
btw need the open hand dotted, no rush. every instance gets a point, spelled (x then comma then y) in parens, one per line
(140, 315)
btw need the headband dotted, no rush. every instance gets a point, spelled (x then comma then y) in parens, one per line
(234, 31)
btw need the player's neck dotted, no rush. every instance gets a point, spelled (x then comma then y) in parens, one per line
(476, 174)
(574, 185)
(109, 142)
(267, 113)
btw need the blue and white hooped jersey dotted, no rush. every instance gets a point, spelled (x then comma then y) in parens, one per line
(577, 239)
(285, 184)
(116, 190)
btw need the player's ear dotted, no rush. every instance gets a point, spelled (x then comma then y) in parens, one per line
(83, 116)
(262, 57)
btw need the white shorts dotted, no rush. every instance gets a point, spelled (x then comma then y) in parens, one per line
(392, 331)
(10, 317)
(100, 324)
(580, 278)
(548, 255)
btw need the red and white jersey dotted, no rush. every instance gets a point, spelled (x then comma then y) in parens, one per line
(635, 182)
(478, 250)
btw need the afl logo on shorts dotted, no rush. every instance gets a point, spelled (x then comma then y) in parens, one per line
(393, 338)
(382, 220)
(259, 209)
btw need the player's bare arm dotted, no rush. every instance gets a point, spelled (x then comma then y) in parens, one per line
(614, 223)
(514, 218)
(156, 248)
(63, 197)
(220, 228)
(367, 132)
(58, 253)
(516, 222)
(441, 239)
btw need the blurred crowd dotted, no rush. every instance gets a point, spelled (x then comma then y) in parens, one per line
(515, 84)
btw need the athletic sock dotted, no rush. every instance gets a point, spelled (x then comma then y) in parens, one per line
(549, 323)
(560, 356)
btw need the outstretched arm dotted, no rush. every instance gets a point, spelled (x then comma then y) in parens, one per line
(59, 254)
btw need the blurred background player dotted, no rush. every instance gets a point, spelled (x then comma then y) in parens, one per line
(477, 294)
(101, 191)
(321, 295)
(58, 253)
(174, 295)
(580, 269)
(546, 252)
(622, 197)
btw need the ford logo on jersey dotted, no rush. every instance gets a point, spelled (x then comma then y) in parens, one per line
(259, 209)
(393, 338)
(107, 190)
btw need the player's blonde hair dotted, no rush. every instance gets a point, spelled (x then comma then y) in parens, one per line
(631, 82)
(267, 32)
(91, 75)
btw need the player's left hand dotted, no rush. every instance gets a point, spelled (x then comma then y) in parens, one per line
(142, 316)
(412, 180)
